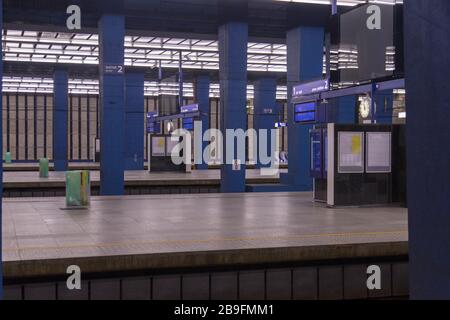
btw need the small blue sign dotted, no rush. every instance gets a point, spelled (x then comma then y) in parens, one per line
(280, 124)
(312, 87)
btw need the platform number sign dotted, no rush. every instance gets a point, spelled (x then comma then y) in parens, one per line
(112, 69)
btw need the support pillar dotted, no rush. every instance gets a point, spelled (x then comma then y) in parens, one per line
(202, 98)
(112, 101)
(427, 39)
(304, 63)
(265, 114)
(134, 124)
(233, 39)
(60, 111)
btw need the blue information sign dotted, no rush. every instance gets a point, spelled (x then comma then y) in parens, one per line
(312, 87)
(189, 108)
(316, 154)
(152, 125)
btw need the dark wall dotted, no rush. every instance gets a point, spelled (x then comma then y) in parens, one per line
(427, 64)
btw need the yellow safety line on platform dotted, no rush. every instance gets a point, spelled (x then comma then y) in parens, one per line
(114, 244)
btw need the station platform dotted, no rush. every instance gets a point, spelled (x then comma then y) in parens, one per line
(204, 246)
(29, 184)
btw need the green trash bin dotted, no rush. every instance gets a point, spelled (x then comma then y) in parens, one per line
(78, 189)
(43, 168)
(8, 157)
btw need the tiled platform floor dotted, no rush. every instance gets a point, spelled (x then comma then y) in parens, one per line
(37, 229)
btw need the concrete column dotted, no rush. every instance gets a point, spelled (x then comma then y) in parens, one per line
(233, 39)
(427, 39)
(112, 100)
(60, 110)
(384, 106)
(202, 98)
(304, 63)
(134, 123)
(265, 114)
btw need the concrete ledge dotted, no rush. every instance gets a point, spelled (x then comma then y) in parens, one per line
(204, 259)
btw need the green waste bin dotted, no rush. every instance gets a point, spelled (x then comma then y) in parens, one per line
(8, 157)
(43, 168)
(78, 188)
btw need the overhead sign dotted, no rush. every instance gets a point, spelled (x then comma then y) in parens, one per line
(312, 87)
(189, 108)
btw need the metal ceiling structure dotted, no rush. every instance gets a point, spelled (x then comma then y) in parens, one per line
(140, 51)
(91, 87)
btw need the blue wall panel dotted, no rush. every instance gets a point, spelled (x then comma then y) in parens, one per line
(265, 113)
(134, 124)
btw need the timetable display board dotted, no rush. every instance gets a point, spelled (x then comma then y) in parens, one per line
(350, 152)
(152, 125)
(305, 112)
(158, 146)
(378, 152)
(188, 124)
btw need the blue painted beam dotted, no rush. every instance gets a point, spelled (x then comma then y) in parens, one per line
(202, 98)
(134, 126)
(427, 39)
(60, 111)
(304, 63)
(233, 39)
(112, 101)
(265, 114)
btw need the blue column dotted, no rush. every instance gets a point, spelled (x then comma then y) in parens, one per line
(304, 63)
(134, 121)
(233, 39)
(60, 110)
(202, 98)
(427, 39)
(112, 100)
(384, 106)
(265, 112)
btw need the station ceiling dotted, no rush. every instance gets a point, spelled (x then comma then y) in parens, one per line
(35, 37)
